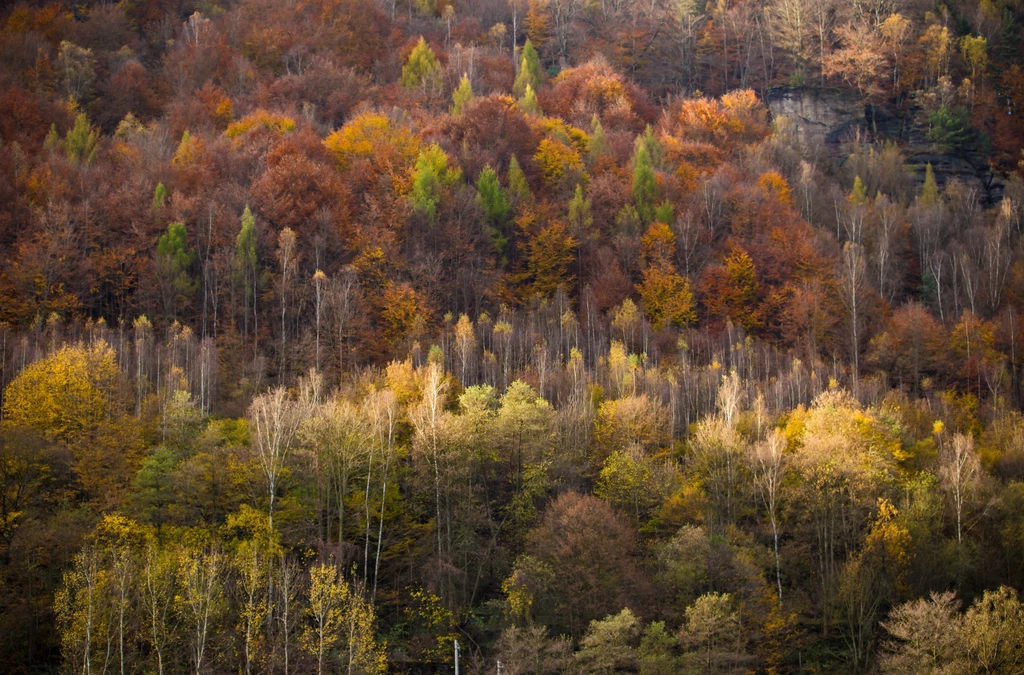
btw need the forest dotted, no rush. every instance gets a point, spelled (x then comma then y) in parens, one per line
(512, 336)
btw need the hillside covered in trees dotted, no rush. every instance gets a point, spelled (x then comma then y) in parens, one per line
(595, 335)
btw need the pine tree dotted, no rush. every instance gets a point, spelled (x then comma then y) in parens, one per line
(462, 96)
(52, 141)
(81, 141)
(518, 188)
(598, 140)
(430, 176)
(649, 142)
(528, 102)
(645, 185)
(421, 67)
(580, 217)
(495, 206)
(581, 221)
(665, 212)
(530, 74)
(174, 258)
(491, 197)
(246, 269)
(159, 196)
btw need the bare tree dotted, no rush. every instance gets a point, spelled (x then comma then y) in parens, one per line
(286, 258)
(383, 412)
(342, 294)
(430, 422)
(959, 475)
(287, 593)
(276, 417)
(887, 223)
(853, 276)
(768, 464)
(730, 396)
(318, 287)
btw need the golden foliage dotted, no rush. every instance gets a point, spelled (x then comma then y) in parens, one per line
(277, 124)
(65, 395)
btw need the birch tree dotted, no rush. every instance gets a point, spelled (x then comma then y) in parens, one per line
(959, 474)
(199, 596)
(769, 469)
(275, 419)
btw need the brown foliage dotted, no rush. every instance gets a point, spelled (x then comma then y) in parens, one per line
(592, 550)
(488, 133)
(595, 88)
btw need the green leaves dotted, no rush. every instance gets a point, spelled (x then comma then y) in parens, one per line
(174, 258)
(950, 129)
(422, 66)
(645, 184)
(80, 142)
(462, 96)
(431, 177)
(530, 74)
(495, 206)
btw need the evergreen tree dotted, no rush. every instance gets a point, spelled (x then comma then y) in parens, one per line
(528, 102)
(858, 196)
(598, 141)
(645, 185)
(174, 258)
(581, 221)
(495, 206)
(951, 130)
(650, 143)
(491, 197)
(430, 177)
(246, 267)
(518, 188)
(665, 212)
(159, 197)
(81, 141)
(530, 73)
(422, 66)
(462, 96)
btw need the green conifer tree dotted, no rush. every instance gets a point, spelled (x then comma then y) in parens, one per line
(598, 141)
(649, 142)
(645, 185)
(81, 141)
(246, 267)
(528, 102)
(518, 188)
(422, 66)
(430, 177)
(462, 96)
(174, 258)
(495, 206)
(159, 197)
(530, 73)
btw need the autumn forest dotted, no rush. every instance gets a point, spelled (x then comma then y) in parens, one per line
(511, 336)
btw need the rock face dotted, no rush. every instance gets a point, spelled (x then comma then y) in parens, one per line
(820, 116)
(826, 120)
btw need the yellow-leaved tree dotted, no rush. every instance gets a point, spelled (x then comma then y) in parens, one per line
(64, 395)
(73, 398)
(340, 625)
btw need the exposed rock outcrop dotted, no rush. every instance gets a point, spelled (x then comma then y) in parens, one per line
(825, 121)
